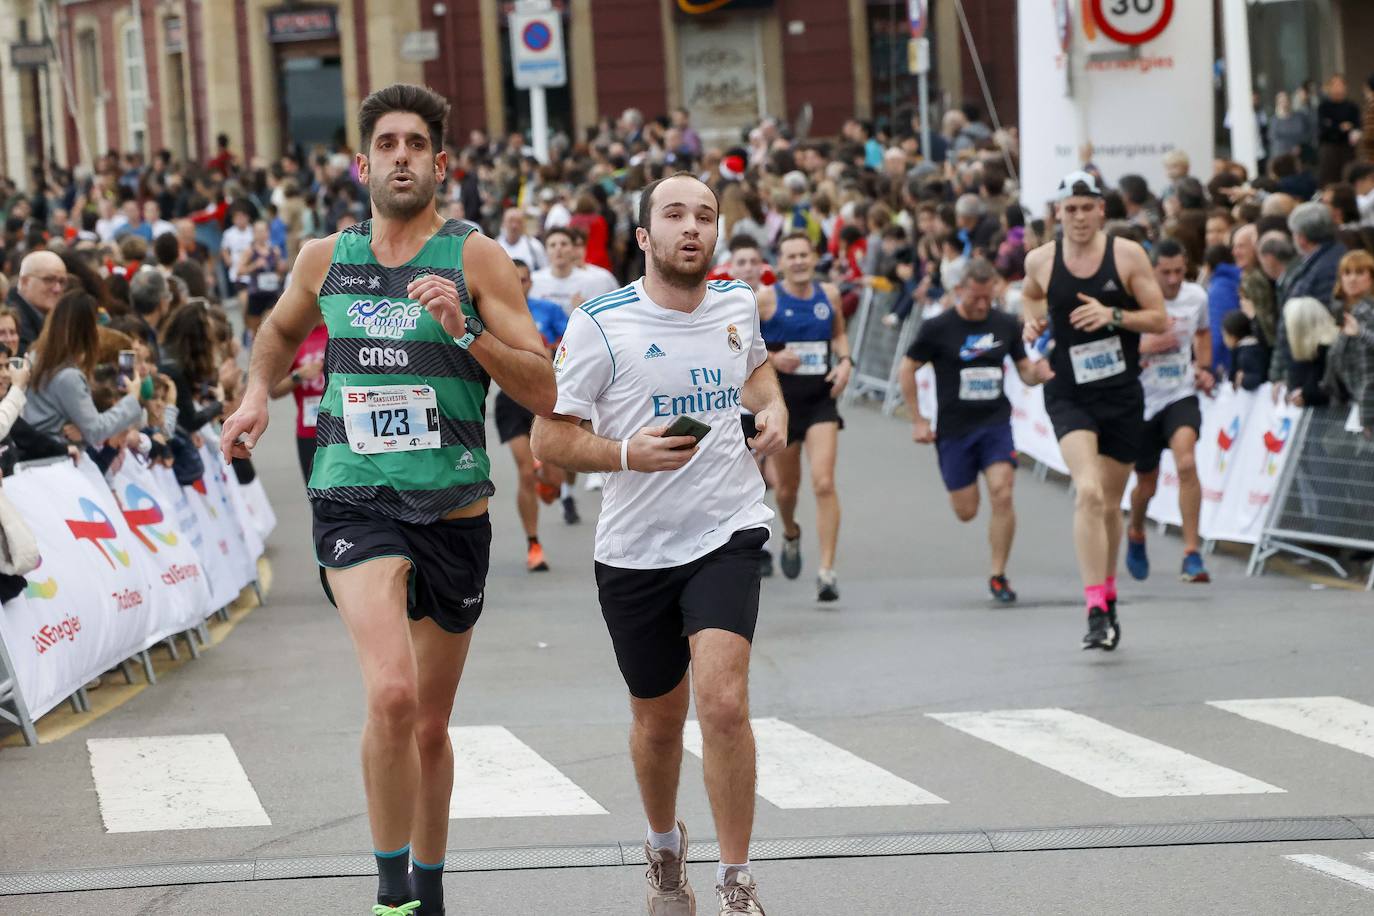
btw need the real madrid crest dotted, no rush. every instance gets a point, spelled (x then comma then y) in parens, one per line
(732, 336)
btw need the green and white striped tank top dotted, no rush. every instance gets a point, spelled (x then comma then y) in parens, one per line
(378, 336)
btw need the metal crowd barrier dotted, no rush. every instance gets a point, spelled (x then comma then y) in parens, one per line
(1325, 497)
(877, 350)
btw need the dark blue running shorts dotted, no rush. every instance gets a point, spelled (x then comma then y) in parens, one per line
(963, 458)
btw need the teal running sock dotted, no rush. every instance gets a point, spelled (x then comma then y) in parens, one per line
(427, 886)
(393, 883)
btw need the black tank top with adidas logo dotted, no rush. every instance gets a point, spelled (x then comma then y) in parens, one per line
(1062, 296)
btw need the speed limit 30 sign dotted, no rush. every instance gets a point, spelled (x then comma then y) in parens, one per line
(1132, 22)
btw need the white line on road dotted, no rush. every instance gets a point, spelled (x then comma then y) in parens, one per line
(1331, 720)
(1104, 757)
(495, 774)
(176, 782)
(796, 769)
(1336, 869)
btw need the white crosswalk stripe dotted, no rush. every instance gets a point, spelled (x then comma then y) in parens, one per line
(1331, 720)
(495, 774)
(1100, 755)
(796, 769)
(176, 782)
(1335, 868)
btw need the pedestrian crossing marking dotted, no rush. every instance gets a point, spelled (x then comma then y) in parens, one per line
(1330, 720)
(796, 769)
(1100, 755)
(1335, 868)
(175, 782)
(495, 774)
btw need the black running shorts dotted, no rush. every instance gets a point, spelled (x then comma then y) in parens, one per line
(1117, 417)
(512, 419)
(807, 406)
(651, 612)
(1159, 431)
(448, 558)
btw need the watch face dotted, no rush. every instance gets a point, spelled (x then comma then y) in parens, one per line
(475, 325)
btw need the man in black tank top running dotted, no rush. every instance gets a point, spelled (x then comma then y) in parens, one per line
(1098, 295)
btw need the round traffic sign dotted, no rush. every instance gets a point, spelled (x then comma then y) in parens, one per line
(536, 35)
(1133, 22)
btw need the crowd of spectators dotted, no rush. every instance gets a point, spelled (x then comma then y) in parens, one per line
(155, 257)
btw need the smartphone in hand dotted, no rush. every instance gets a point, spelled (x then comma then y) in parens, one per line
(687, 426)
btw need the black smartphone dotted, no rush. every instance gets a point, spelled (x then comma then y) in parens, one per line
(687, 426)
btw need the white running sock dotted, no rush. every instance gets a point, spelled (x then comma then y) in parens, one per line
(720, 871)
(670, 840)
(565, 491)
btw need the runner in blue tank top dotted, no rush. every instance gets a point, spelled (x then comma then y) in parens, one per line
(1098, 294)
(804, 329)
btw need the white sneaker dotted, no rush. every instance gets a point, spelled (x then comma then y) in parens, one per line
(594, 482)
(739, 894)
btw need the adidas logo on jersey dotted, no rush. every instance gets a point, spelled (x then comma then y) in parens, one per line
(653, 352)
(465, 463)
(1109, 286)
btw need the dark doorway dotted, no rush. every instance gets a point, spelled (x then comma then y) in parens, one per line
(312, 102)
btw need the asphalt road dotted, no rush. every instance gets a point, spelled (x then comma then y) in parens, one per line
(864, 734)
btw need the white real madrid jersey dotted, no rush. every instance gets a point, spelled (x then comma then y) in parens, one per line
(1168, 376)
(626, 363)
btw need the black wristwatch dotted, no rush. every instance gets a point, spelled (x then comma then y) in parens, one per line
(474, 327)
(295, 378)
(847, 359)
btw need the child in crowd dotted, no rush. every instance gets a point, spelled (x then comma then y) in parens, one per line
(1249, 359)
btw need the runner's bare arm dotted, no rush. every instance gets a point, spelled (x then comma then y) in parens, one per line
(1034, 302)
(762, 396)
(288, 324)
(1029, 372)
(570, 443)
(839, 337)
(1139, 277)
(511, 351)
(920, 424)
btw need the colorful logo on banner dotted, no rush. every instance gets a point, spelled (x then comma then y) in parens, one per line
(46, 590)
(1127, 22)
(1274, 441)
(1226, 438)
(99, 530)
(142, 511)
(701, 7)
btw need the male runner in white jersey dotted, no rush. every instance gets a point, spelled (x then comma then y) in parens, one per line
(968, 346)
(1098, 295)
(682, 519)
(1173, 369)
(408, 568)
(804, 328)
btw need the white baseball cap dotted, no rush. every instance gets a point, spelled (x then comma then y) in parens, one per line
(1078, 184)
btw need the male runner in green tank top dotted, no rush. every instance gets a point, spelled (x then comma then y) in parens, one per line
(423, 313)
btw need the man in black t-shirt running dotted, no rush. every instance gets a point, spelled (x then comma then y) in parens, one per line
(968, 346)
(1098, 294)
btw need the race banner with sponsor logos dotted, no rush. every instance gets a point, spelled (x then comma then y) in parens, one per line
(1242, 449)
(124, 564)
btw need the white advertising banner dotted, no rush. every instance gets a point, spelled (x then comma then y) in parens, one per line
(1131, 77)
(177, 588)
(86, 607)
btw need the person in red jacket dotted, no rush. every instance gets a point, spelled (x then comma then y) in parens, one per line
(587, 218)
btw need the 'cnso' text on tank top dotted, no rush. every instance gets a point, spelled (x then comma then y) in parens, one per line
(401, 426)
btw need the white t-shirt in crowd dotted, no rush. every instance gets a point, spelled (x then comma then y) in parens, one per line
(527, 248)
(236, 241)
(162, 227)
(626, 363)
(558, 215)
(581, 281)
(1168, 376)
(106, 228)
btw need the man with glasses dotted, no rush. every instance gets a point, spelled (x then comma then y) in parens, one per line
(42, 281)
